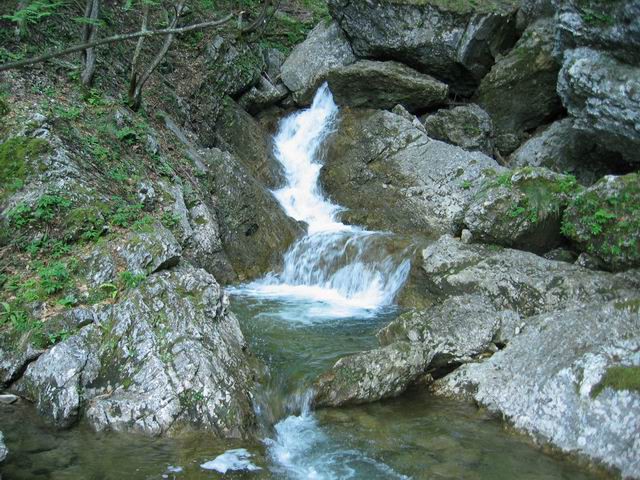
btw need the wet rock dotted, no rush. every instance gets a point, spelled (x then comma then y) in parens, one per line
(601, 93)
(455, 42)
(370, 376)
(237, 132)
(8, 399)
(273, 60)
(4, 451)
(550, 381)
(383, 85)
(141, 253)
(392, 176)
(231, 68)
(604, 221)
(15, 356)
(467, 126)
(521, 208)
(611, 27)
(254, 229)
(519, 93)
(168, 355)
(516, 280)
(324, 49)
(563, 149)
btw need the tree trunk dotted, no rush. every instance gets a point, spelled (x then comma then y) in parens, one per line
(89, 33)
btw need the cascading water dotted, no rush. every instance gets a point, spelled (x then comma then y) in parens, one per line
(344, 269)
(335, 271)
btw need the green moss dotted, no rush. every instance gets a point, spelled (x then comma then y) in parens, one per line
(463, 6)
(15, 166)
(605, 221)
(619, 378)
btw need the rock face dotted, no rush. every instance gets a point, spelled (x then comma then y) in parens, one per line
(383, 85)
(560, 399)
(392, 176)
(601, 93)
(521, 209)
(168, 355)
(456, 43)
(564, 149)
(467, 126)
(324, 49)
(519, 93)
(254, 229)
(604, 221)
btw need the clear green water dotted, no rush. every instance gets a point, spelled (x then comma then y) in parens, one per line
(418, 435)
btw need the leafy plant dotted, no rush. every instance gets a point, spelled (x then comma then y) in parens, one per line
(54, 277)
(34, 12)
(131, 280)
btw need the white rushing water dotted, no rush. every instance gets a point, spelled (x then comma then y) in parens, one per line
(342, 269)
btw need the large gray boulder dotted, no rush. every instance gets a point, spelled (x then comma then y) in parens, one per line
(455, 42)
(562, 148)
(467, 126)
(384, 85)
(553, 381)
(519, 92)
(521, 209)
(601, 93)
(604, 221)
(609, 26)
(168, 355)
(324, 49)
(392, 176)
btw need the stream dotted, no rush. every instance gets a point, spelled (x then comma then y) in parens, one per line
(335, 290)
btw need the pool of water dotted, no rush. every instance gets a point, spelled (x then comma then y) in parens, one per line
(416, 436)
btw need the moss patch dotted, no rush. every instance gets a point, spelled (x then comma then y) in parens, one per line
(15, 165)
(619, 378)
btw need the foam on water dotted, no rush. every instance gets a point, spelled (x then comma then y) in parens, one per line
(237, 459)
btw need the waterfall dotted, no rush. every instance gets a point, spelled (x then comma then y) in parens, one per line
(346, 269)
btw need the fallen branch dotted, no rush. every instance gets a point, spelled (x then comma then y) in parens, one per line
(114, 39)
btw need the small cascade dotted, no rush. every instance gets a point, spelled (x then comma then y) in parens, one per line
(346, 269)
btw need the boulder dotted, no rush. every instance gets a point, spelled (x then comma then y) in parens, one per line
(139, 252)
(324, 49)
(383, 85)
(601, 93)
(515, 280)
(262, 96)
(562, 148)
(467, 126)
(391, 176)
(455, 42)
(4, 451)
(167, 356)
(559, 381)
(519, 92)
(604, 221)
(607, 26)
(521, 209)
(254, 230)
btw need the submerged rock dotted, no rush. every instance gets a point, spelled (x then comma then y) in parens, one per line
(601, 93)
(467, 126)
(4, 451)
(324, 49)
(552, 382)
(383, 85)
(519, 93)
(604, 221)
(167, 356)
(392, 176)
(521, 208)
(454, 41)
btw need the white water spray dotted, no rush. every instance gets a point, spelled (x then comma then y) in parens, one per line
(348, 270)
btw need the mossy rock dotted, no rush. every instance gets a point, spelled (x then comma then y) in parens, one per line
(604, 221)
(521, 208)
(17, 157)
(619, 377)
